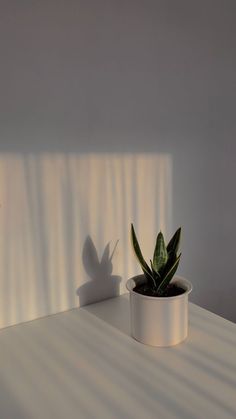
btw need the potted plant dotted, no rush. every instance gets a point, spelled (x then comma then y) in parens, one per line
(158, 299)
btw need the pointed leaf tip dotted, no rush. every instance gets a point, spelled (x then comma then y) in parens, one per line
(173, 244)
(138, 252)
(160, 253)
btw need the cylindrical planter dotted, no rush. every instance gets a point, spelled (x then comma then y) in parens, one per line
(159, 321)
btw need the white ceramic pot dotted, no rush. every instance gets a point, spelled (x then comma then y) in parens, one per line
(159, 321)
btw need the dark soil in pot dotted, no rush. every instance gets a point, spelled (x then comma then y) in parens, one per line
(171, 291)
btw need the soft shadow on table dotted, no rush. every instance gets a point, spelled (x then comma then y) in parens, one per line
(101, 284)
(10, 404)
(115, 312)
(210, 322)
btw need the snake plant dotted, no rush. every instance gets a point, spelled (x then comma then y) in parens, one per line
(164, 263)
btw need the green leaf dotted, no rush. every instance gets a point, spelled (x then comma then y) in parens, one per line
(168, 276)
(173, 244)
(153, 270)
(160, 253)
(147, 271)
(156, 275)
(170, 262)
(150, 279)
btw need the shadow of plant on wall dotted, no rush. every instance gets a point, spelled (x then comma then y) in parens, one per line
(50, 202)
(102, 283)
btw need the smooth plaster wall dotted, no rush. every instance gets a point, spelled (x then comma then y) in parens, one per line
(65, 226)
(135, 77)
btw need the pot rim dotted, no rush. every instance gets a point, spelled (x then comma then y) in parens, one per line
(131, 283)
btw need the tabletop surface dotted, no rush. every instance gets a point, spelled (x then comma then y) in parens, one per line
(83, 364)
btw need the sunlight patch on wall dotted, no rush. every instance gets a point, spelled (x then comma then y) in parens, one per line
(58, 214)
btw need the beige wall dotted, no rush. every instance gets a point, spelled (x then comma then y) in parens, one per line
(114, 77)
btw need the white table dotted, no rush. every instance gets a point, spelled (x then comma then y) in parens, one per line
(83, 364)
